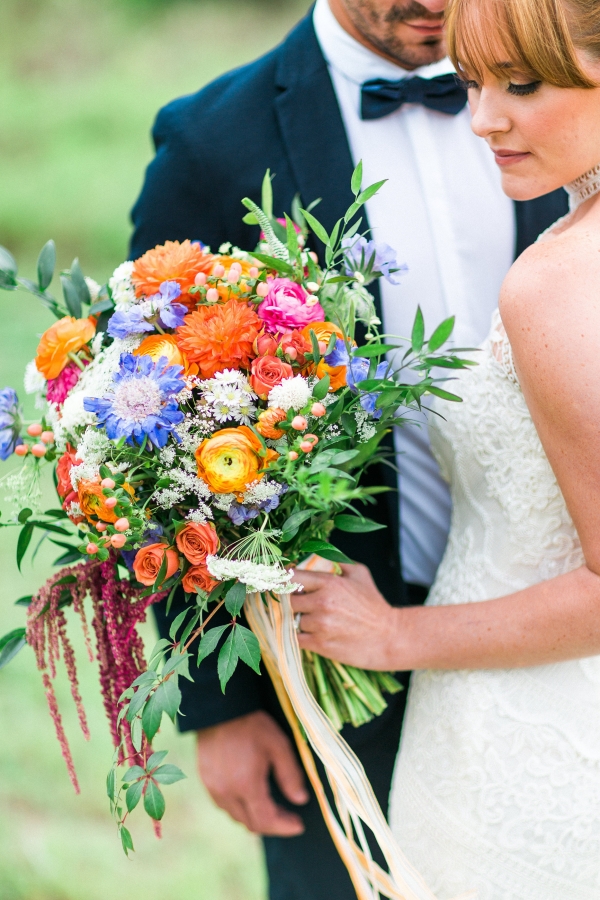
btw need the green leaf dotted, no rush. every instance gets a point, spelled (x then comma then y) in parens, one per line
(111, 784)
(133, 774)
(441, 334)
(136, 734)
(371, 350)
(24, 515)
(315, 347)
(24, 601)
(370, 191)
(169, 697)
(101, 306)
(71, 295)
(7, 261)
(25, 536)
(133, 795)
(326, 550)
(10, 645)
(321, 388)
(79, 283)
(209, 641)
(356, 524)
(126, 840)
(316, 227)
(154, 802)
(168, 774)
(45, 265)
(234, 598)
(344, 456)
(272, 263)
(138, 700)
(291, 236)
(266, 200)
(357, 177)
(161, 573)
(445, 395)
(228, 660)
(156, 759)
(158, 652)
(177, 623)
(152, 714)
(418, 331)
(250, 219)
(247, 647)
(293, 523)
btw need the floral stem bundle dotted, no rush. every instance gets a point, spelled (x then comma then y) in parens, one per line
(208, 417)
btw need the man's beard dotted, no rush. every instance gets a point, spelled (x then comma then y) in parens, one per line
(380, 31)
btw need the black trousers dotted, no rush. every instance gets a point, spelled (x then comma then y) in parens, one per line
(308, 867)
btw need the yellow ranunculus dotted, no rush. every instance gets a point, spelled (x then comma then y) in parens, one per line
(157, 345)
(229, 461)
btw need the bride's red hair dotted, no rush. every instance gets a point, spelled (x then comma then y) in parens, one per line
(539, 37)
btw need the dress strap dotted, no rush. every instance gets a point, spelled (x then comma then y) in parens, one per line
(500, 348)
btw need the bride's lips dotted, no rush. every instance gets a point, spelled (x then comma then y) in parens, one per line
(509, 157)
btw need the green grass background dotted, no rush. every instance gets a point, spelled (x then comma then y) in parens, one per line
(80, 83)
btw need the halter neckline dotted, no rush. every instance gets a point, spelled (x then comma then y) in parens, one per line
(584, 187)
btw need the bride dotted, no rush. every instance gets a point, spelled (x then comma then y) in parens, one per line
(497, 783)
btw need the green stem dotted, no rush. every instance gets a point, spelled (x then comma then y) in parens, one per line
(74, 358)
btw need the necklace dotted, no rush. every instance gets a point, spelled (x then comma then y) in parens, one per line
(584, 187)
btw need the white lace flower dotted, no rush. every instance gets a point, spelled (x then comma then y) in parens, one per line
(262, 490)
(223, 501)
(200, 515)
(121, 286)
(292, 393)
(34, 381)
(256, 576)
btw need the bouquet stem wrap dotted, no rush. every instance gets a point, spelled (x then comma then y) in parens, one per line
(273, 624)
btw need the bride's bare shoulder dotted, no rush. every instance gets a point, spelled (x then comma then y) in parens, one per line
(553, 291)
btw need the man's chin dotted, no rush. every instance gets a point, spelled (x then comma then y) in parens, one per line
(414, 55)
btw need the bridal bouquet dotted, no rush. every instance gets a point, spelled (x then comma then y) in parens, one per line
(207, 417)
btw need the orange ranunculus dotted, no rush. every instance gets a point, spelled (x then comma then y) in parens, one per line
(219, 337)
(229, 461)
(267, 422)
(157, 345)
(268, 371)
(171, 261)
(198, 578)
(93, 502)
(148, 562)
(68, 335)
(295, 345)
(63, 471)
(196, 541)
(323, 331)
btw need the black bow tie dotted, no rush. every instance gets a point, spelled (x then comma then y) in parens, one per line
(444, 93)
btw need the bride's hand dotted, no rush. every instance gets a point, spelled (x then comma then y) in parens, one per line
(345, 617)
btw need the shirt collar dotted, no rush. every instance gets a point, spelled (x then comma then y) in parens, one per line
(356, 62)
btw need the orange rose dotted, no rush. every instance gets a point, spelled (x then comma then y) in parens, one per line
(63, 471)
(93, 502)
(157, 345)
(323, 331)
(197, 541)
(267, 420)
(68, 335)
(148, 562)
(229, 461)
(265, 344)
(267, 371)
(198, 578)
(219, 337)
(171, 261)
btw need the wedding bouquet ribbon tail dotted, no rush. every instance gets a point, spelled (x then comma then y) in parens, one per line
(272, 623)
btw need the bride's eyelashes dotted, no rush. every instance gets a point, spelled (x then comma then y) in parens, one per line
(523, 90)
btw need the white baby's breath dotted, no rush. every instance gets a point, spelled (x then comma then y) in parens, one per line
(34, 381)
(121, 286)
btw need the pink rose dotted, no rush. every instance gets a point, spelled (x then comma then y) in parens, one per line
(285, 307)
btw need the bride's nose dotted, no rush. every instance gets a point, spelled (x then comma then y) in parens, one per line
(488, 116)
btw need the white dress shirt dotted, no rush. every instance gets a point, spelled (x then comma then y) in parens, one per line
(445, 214)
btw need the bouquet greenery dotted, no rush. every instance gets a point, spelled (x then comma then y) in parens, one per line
(208, 417)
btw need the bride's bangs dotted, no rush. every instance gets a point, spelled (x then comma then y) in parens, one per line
(532, 36)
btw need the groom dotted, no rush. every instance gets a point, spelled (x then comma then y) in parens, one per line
(303, 111)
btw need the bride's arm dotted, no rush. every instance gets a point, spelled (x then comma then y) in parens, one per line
(551, 310)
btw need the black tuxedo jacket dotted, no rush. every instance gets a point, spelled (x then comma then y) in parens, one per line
(212, 149)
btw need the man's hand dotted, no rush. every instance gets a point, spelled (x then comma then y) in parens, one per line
(235, 760)
(346, 618)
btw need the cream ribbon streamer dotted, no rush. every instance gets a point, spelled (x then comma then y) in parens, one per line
(273, 624)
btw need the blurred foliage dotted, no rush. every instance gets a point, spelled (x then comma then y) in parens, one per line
(80, 83)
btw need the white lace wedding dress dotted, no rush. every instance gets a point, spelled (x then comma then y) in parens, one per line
(497, 783)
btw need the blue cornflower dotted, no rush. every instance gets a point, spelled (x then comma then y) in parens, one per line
(128, 321)
(371, 260)
(10, 422)
(171, 314)
(238, 513)
(339, 354)
(142, 401)
(358, 371)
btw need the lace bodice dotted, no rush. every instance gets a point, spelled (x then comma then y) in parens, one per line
(497, 785)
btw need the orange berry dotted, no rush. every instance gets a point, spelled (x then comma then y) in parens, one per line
(107, 483)
(212, 295)
(21, 449)
(200, 279)
(47, 437)
(306, 446)
(299, 423)
(262, 289)
(111, 502)
(101, 526)
(92, 548)
(118, 541)
(218, 270)
(318, 410)
(39, 450)
(35, 429)
(122, 524)
(292, 455)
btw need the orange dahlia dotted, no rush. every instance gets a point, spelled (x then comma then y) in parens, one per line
(171, 261)
(159, 345)
(219, 337)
